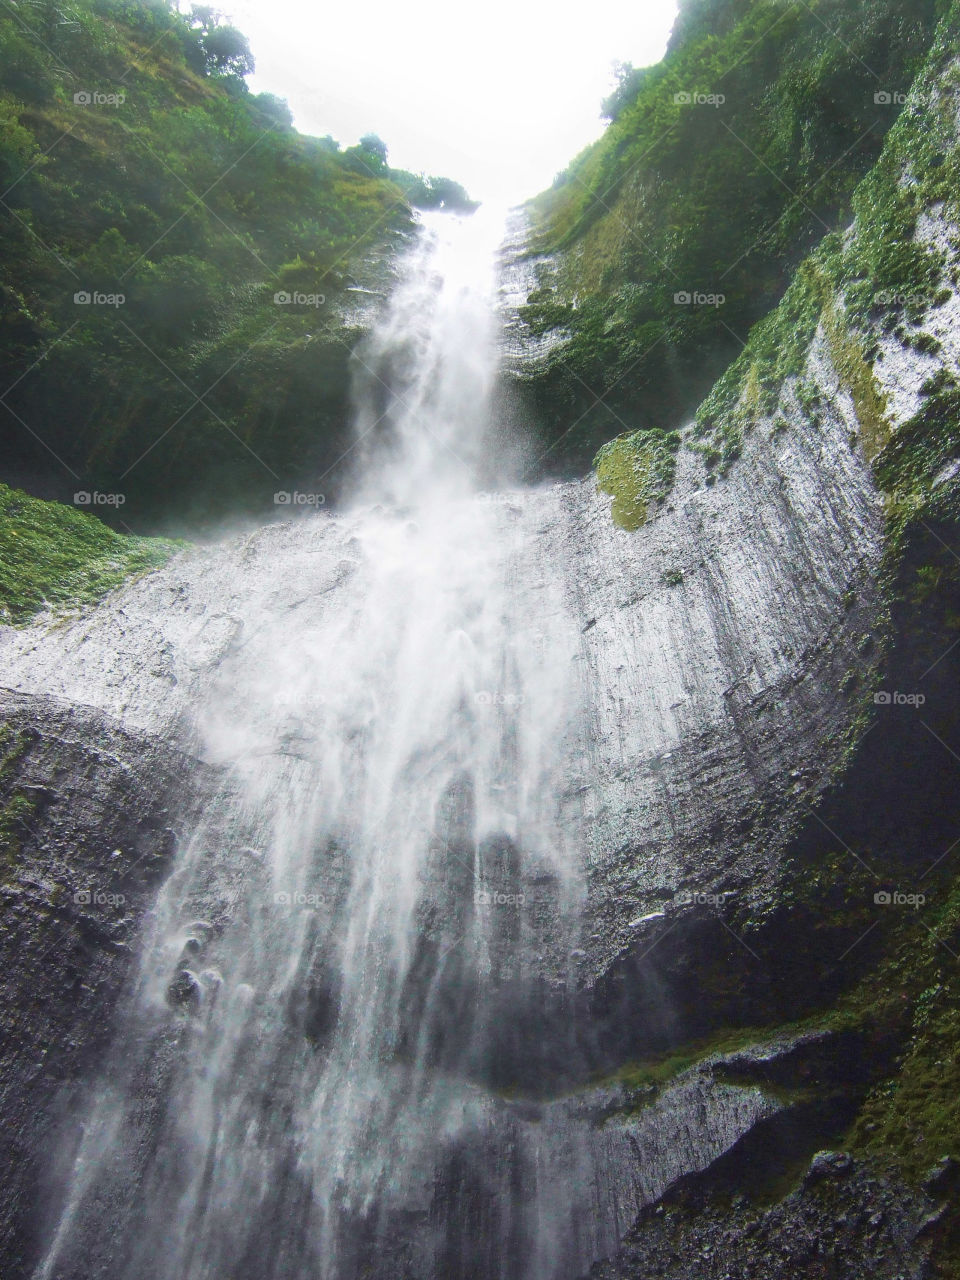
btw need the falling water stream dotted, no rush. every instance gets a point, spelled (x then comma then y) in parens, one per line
(339, 1000)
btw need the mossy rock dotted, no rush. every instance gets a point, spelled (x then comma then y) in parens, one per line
(55, 557)
(637, 469)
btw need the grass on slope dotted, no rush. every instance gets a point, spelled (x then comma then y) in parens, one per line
(55, 557)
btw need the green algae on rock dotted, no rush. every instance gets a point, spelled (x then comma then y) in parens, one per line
(636, 469)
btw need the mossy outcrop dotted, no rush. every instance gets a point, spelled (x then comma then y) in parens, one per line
(636, 470)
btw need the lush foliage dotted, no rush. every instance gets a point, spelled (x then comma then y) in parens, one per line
(137, 170)
(880, 279)
(721, 168)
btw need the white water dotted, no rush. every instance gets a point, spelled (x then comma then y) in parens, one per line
(346, 965)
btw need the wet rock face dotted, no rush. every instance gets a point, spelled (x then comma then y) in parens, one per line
(855, 1222)
(701, 658)
(673, 1158)
(715, 643)
(83, 864)
(522, 273)
(704, 657)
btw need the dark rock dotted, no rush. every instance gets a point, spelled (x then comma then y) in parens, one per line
(829, 1164)
(64, 954)
(812, 1232)
(931, 1223)
(184, 990)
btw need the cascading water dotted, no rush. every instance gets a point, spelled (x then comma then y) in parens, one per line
(468, 772)
(312, 1075)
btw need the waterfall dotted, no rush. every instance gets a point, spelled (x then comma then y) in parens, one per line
(345, 1004)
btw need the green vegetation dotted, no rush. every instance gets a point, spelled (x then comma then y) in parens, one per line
(55, 557)
(16, 809)
(856, 377)
(637, 469)
(708, 201)
(777, 349)
(911, 992)
(920, 449)
(137, 170)
(914, 1115)
(883, 278)
(646, 1080)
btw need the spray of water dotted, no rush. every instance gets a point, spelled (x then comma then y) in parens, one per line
(350, 961)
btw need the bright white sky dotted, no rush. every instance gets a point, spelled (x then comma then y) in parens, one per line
(499, 95)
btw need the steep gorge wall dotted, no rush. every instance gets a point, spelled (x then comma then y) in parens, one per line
(651, 256)
(729, 650)
(184, 275)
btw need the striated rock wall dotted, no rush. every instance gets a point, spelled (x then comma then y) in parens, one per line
(101, 811)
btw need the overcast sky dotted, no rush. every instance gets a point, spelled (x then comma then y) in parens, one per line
(499, 95)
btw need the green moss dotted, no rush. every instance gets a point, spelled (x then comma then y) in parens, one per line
(911, 992)
(56, 557)
(545, 309)
(637, 469)
(927, 344)
(910, 463)
(856, 376)
(890, 275)
(914, 1114)
(777, 349)
(17, 807)
(645, 1080)
(929, 583)
(849, 682)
